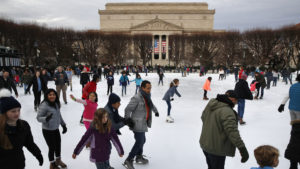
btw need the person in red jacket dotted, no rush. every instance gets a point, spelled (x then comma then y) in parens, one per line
(241, 72)
(88, 88)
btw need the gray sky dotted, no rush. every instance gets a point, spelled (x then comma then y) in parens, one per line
(83, 14)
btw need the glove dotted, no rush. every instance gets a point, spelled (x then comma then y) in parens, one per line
(157, 114)
(172, 99)
(244, 154)
(281, 108)
(129, 122)
(40, 159)
(49, 117)
(64, 129)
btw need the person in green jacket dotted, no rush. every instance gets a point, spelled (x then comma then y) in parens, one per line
(220, 135)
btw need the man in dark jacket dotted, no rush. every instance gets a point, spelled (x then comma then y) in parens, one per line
(260, 85)
(220, 135)
(61, 79)
(84, 77)
(243, 92)
(8, 83)
(38, 85)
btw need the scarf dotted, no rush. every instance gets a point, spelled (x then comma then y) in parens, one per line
(147, 97)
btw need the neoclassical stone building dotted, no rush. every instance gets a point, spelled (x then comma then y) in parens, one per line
(158, 19)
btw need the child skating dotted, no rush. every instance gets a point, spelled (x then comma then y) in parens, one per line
(100, 135)
(110, 82)
(138, 82)
(206, 87)
(90, 106)
(123, 82)
(168, 97)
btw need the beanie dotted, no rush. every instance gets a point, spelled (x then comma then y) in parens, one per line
(232, 94)
(113, 98)
(7, 102)
(244, 76)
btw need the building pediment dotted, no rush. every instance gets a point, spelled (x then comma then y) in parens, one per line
(156, 25)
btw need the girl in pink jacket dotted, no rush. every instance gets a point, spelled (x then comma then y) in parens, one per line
(90, 106)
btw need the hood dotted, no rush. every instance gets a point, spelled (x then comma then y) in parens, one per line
(219, 102)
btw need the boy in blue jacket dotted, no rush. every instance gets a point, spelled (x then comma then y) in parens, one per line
(123, 82)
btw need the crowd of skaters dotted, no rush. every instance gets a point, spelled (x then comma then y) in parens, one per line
(103, 124)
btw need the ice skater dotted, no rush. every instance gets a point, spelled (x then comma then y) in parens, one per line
(161, 78)
(90, 106)
(266, 157)
(168, 97)
(110, 82)
(138, 82)
(123, 82)
(206, 87)
(100, 135)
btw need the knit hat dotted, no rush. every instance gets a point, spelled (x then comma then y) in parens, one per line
(113, 98)
(7, 102)
(244, 76)
(231, 93)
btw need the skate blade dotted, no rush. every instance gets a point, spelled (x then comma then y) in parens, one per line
(125, 166)
(168, 121)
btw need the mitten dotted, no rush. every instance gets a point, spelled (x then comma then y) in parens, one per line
(64, 129)
(281, 108)
(49, 117)
(40, 159)
(129, 122)
(157, 114)
(244, 153)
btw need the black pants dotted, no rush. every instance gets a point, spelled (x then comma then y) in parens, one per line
(205, 93)
(109, 88)
(294, 165)
(137, 149)
(214, 161)
(53, 141)
(37, 98)
(161, 80)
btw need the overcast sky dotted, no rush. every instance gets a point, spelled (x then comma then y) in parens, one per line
(83, 14)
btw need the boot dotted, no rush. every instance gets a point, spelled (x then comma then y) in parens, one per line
(53, 166)
(141, 160)
(128, 164)
(58, 162)
(205, 98)
(242, 122)
(169, 119)
(255, 97)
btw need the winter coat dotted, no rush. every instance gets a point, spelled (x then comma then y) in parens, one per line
(100, 144)
(34, 83)
(46, 78)
(138, 81)
(242, 90)
(240, 73)
(294, 95)
(26, 78)
(293, 149)
(269, 76)
(161, 76)
(61, 78)
(8, 84)
(116, 120)
(45, 110)
(170, 93)
(136, 110)
(206, 85)
(220, 135)
(89, 109)
(88, 88)
(124, 80)
(261, 80)
(84, 78)
(19, 137)
(110, 80)
(69, 74)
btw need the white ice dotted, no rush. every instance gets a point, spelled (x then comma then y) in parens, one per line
(169, 145)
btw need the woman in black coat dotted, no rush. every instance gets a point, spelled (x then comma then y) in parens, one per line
(14, 134)
(38, 85)
(292, 152)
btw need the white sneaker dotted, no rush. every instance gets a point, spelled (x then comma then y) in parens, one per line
(169, 119)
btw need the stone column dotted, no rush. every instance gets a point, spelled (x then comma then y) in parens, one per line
(160, 47)
(167, 47)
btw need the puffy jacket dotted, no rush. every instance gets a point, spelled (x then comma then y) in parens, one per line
(220, 134)
(242, 90)
(56, 119)
(84, 78)
(110, 80)
(8, 84)
(88, 88)
(61, 78)
(294, 94)
(206, 85)
(124, 80)
(170, 93)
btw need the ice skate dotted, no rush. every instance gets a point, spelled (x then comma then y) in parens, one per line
(169, 119)
(58, 162)
(128, 164)
(53, 166)
(141, 160)
(205, 98)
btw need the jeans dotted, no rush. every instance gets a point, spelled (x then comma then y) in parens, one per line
(162, 82)
(102, 165)
(214, 161)
(25, 88)
(241, 108)
(123, 90)
(169, 107)
(109, 89)
(269, 83)
(53, 141)
(262, 92)
(275, 81)
(137, 149)
(137, 89)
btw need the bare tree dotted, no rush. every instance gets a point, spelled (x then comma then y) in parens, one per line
(142, 45)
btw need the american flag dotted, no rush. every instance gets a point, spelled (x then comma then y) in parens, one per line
(164, 43)
(156, 46)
